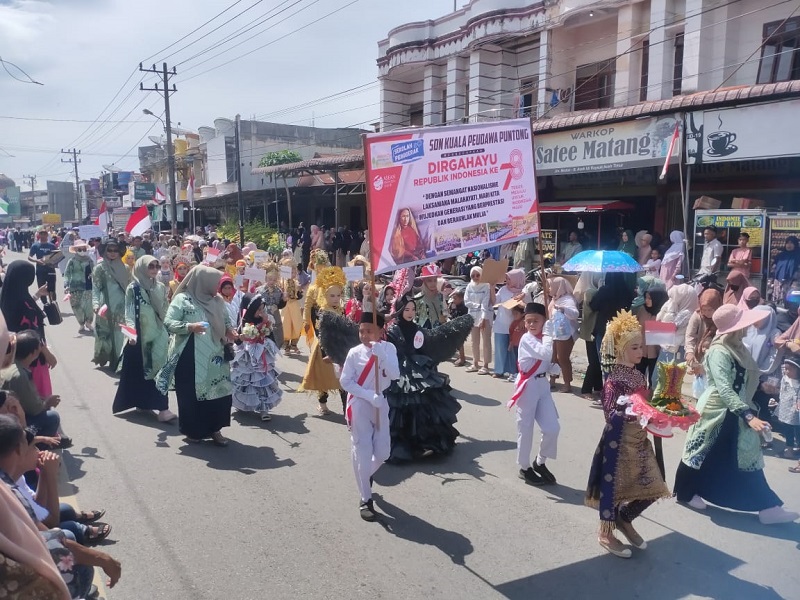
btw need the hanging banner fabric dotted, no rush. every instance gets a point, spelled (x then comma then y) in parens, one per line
(439, 192)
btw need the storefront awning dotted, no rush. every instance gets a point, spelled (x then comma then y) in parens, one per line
(582, 206)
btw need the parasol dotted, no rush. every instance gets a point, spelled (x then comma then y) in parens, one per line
(602, 261)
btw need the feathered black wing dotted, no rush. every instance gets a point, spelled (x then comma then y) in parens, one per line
(441, 342)
(337, 335)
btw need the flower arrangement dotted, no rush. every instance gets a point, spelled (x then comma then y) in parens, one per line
(252, 332)
(665, 409)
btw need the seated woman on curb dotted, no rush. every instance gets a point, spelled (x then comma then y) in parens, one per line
(39, 412)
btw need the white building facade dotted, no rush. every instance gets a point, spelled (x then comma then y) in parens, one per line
(507, 58)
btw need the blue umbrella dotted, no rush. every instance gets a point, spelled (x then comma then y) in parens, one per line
(602, 261)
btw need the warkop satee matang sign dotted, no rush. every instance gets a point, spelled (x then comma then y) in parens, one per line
(628, 145)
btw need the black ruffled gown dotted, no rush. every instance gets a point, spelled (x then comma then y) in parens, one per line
(422, 410)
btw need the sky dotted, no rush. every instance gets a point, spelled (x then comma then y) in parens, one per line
(83, 51)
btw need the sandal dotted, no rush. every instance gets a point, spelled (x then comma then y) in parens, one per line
(101, 532)
(323, 410)
(615, 547)
(90, 517)
(472, 369)
(218, 440)
(459, 363)
(795, 469)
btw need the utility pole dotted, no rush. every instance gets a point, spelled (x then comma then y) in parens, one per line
(32, 180)
(239, 183)
(74, 161)
(166, 91)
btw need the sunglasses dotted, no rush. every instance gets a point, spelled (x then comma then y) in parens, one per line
(30, 434)
(153, 266)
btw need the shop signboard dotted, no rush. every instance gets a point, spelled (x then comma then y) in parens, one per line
(51, 219)
(743, 133)
(119, 218)
(439, 192)
(146, 192)
(729, 224)
(627, 145)
(550, 241)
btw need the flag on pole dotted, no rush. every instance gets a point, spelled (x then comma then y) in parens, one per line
(139, 222)
(672, 142)
(102, 217)
(190, 190)
(160, 196)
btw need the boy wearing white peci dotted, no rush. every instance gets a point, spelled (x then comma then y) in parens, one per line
(532, 398)
(367, 410)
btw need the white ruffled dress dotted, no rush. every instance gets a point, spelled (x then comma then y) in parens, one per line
(254, 376)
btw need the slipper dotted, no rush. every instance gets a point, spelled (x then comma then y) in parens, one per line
(472, 370)
(794, 469)
(103, 531)
(85, 517)
(617, 549)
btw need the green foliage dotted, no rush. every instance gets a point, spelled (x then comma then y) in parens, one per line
(255, 231)
(281, 157)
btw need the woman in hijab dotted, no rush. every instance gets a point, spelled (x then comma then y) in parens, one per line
(143, 357)
(699, 333)
(678, 309)
(736, 284)
(232, 255)
(627, 244)
(199, 326)
(78, 285)
(722, 460)
(110, 279)
(653, 297)
(672, 262)
(643, 240)
(584, 291)
(615, 295)
(232, 297)
(22, 312)
(785, 266)
(562, 301)
(504, 363)
(477, 297)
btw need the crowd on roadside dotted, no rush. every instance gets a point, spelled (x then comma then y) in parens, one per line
(208, 319)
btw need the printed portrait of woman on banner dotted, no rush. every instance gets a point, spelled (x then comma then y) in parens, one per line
(407, 243)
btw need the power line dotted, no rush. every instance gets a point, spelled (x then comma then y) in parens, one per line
(56, 120)
(18, 68)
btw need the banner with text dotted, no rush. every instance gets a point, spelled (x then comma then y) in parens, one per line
(627, 145)
(439, 192)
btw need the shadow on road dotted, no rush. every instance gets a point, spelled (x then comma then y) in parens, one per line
(236, 457)
(562, 494)
(279, 425)
(286, 377)
(408, 527)
(749, 523)
(476, 399)
(673, 566)
(149, 420)
(463, 461)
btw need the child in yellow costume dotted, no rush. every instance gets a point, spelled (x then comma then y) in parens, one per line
(318, 261)
(320, 375)
(291, 314)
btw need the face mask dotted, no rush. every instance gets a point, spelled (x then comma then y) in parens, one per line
(81, 252)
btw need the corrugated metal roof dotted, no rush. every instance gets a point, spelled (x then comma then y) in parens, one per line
(747, 94)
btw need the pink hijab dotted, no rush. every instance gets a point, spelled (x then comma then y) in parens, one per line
(516, 281)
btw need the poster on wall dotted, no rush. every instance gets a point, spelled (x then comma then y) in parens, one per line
(730, 224)
(780, 228)
(550, 241)
(439, 192)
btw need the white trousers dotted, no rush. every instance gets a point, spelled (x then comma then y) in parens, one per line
(536, 406)
(371, 445)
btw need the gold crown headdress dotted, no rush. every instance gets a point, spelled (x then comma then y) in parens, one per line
(621, 331)
(326, 279)
(271, 267)
(318, 260)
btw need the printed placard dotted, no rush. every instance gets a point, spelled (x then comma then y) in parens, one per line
(286, 272)
(212, 255)
(254, 274)
(354, 273)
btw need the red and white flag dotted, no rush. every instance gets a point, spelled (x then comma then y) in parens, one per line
(658, 333)
(129, 332)
(160, 196)
(102, 217)
(139, 222)
(675, 135)
(190, 190)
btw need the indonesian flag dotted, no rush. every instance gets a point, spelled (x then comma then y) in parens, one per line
(161, 197)
(658, 333)
(190, 190)
(102, 217)
(139, 222)
(129, 332)
(672, 142)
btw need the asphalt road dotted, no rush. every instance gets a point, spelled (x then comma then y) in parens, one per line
(275, 515)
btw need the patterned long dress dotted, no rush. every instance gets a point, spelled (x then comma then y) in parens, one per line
(78, 283)
(108, 341)
(624, 478)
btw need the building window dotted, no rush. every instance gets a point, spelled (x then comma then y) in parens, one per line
(645, 70)
(780, 58)
(415, 116)
(444, 106)
(526, 92)
(466, 100)
(677, 69)
(594, 85)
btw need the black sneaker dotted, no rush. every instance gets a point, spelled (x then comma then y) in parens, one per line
(367, 511)
(530, 477)
(544, 473)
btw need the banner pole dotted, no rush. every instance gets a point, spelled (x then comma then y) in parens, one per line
(373, 266)
(544, 274)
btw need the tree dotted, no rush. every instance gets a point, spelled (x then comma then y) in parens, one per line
(282, 157)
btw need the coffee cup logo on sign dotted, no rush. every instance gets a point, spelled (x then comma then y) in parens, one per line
(720, 143)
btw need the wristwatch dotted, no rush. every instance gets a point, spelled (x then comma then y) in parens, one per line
(749, 417)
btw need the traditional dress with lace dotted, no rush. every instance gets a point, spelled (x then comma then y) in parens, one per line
(624, 478)
(253, 373)
(106, 290)
(320, 376)
(78, 283)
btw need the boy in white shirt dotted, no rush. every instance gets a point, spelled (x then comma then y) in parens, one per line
(367, 409)
(532, 398)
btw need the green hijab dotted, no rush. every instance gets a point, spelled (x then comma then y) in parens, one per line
(628, 247)
(149, 286)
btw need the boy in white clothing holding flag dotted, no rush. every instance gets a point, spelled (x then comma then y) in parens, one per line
(367, 410)
(532, 398)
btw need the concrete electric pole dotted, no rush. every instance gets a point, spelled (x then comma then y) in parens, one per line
(74, 161)
(165, 74)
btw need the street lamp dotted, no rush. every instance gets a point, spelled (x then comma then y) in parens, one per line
(173, 201)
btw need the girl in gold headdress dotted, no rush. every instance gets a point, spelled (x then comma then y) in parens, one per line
(319, 260)
(320, 376)
(625, 477)
(291, 314)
